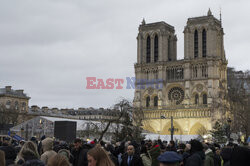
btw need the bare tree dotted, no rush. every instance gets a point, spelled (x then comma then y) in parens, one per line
(239, 97)
(9, 115)
(120, 116)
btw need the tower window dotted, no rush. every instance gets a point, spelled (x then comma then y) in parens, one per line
(148, 50)
(156, 48)
(195, 44)
(148, 101)
(196, 99)
(204, 98)
(204, 43)
(156, 101)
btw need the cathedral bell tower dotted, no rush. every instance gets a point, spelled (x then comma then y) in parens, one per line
(156, 42)
(203, 38)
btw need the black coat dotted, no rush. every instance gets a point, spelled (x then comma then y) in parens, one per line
(10, 154)
(240, 156)
(80, 156)
(196, 159)
(136, 160)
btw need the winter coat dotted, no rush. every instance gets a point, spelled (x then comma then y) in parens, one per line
(35, 162)
(154, 153)
(136, 160)
(47, 145)
(240, 156)
(209, 159)
(67, 154)
(10, 154)
(26, 156)
(196, 159)
(146, 160)
(80, 156)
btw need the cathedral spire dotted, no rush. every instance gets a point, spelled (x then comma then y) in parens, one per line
(220, 17)
(143, 22)
(209, 13)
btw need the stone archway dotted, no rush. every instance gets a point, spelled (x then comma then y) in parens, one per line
(166, 129)
(198, 129)
(148, 127)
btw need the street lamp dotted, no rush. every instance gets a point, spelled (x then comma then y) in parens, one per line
(172, 129)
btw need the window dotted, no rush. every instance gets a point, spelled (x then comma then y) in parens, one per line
(155, 101)
(156, 48)
(196, 99)
(8, 103)
(204, 98)
(204, 43)
(195, 44)
(148, 50)
(204, 71)
(23, 106)
(148, 101)
(16, 105)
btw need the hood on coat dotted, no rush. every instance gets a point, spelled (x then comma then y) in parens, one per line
(47, 144)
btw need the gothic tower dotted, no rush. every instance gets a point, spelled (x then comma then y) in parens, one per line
(193, 89)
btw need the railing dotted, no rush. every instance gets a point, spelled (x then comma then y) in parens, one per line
(181, 113)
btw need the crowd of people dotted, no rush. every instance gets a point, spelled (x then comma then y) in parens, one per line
(49, 152)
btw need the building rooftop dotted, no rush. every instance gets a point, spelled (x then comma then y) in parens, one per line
(7, 91)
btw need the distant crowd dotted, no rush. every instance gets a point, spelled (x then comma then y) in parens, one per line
(49, 152)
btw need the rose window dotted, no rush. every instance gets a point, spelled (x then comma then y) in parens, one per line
(176, 95)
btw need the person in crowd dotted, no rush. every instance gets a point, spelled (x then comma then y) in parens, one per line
(9, 151)
(58, 160)
(181, 148)
(6, 141)
(67, 154)
(171, 146)
(119, 150)
(226, 153)
(40, 149)
(197, 155)
(170, 158)
(145, 156)
(130, 158)
(186, 153)
(209, 156)
(2, 158)
(79, 153)
(111, 152)
(47, 148)
(217, 157)
(27, 152)
(97, 156)
(34, 140)
(34, 162)
(64, 149)
(155, 151)
(240, 156)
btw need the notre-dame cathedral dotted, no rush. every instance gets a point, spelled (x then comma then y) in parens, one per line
(193, 89)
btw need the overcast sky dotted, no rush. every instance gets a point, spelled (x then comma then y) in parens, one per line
(49, 47)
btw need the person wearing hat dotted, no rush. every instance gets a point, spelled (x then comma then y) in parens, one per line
(169, 158)
(6, 141)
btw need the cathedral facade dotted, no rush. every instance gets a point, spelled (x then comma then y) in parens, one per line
(191, 90)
